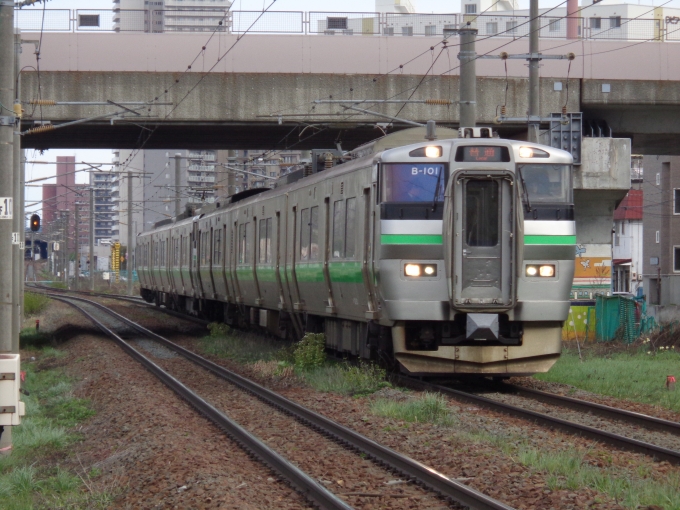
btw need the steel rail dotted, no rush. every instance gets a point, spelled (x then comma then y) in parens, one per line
(308, 487)
(644, 420)
(570, 427)
(137, 301)
(408, 467)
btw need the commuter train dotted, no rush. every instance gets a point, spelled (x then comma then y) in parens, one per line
(443, 256)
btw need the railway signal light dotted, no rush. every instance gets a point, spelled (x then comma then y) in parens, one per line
(35, 223)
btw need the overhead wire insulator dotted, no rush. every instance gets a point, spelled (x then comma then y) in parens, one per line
(43, 102)
(18, 111)
(564, 110)
(40, 129)
(503, 55)
(443, 102)
(504, 111)
(571, 56)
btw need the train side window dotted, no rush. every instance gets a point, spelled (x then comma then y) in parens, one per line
(338, 229)
(155, 254)
(176, 241)
(249, 243)
(314, 237)
(350, 243)
(268, 259)
(244, 243)
(217, 241)
(304, 234)
(263, 242)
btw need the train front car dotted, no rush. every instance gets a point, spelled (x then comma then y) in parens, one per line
(476, 255)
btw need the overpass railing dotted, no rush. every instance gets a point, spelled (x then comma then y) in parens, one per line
(340, 23)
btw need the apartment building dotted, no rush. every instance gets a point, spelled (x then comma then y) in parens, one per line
(661, 224)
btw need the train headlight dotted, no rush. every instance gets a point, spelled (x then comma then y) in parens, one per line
(415, 270)
(547, 270)
(412, 270)
(433, 152)
(544, 270)
(532, 152)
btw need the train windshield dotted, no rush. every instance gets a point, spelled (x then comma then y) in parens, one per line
(546, 183)
(413, 182)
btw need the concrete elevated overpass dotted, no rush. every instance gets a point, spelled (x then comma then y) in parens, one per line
(260, 94)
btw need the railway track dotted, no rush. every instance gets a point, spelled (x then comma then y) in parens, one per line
(319, 495)
(129, 299)
(571, 427)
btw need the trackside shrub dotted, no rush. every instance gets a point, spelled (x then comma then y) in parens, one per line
(218, 329)
(310, 351)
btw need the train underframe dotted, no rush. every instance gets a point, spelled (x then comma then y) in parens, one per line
(416, 347)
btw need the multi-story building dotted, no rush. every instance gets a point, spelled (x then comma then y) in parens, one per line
(59, 204)
(627, 244)
(170, 15)
(661, 223)
(128, 161)
(103, 205)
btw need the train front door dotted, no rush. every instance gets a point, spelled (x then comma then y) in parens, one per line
(483, 239)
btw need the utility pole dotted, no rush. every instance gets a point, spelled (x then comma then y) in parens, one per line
(468, 77)
(128, 255)
(66, 256)
(18, 220)
(7, 126)
(178, 162)
(92, 266)
(77, 262)
(534, 85)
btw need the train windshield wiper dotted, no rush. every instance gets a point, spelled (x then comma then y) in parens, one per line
(525, 193)
(436, 190)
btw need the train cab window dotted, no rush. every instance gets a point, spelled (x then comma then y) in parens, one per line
(309, 234)
(217, 246)
(244, 240)
(265, 247)
(413, 182)
(546, 183)
(481, 213)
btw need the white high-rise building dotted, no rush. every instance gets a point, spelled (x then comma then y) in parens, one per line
(170, 15)
(395, 6)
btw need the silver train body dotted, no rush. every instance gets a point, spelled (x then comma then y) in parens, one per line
(454, 256)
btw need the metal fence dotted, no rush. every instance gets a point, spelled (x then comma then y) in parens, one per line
(338, 23)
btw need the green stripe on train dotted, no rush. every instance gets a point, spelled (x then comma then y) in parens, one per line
(410, 239)
(550, 240)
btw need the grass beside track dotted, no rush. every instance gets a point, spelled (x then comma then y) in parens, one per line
(31, 476)
(34, 303)
(638, 376)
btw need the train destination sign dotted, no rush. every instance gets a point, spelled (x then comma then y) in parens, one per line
(483, 154)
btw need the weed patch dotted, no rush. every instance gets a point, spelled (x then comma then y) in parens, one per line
(346, 379)
(34, 303)
(224, 342)
(430, 408)
(29, 338)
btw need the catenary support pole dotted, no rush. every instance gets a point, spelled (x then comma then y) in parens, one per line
(534, 84)
(92, 266)
(18, 219)
(6, 187)
(6, 171)
(468, 77)
(76, 265)
(178, 163)
(128, 254)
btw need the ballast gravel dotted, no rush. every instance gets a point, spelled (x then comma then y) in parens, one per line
(156, 452)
